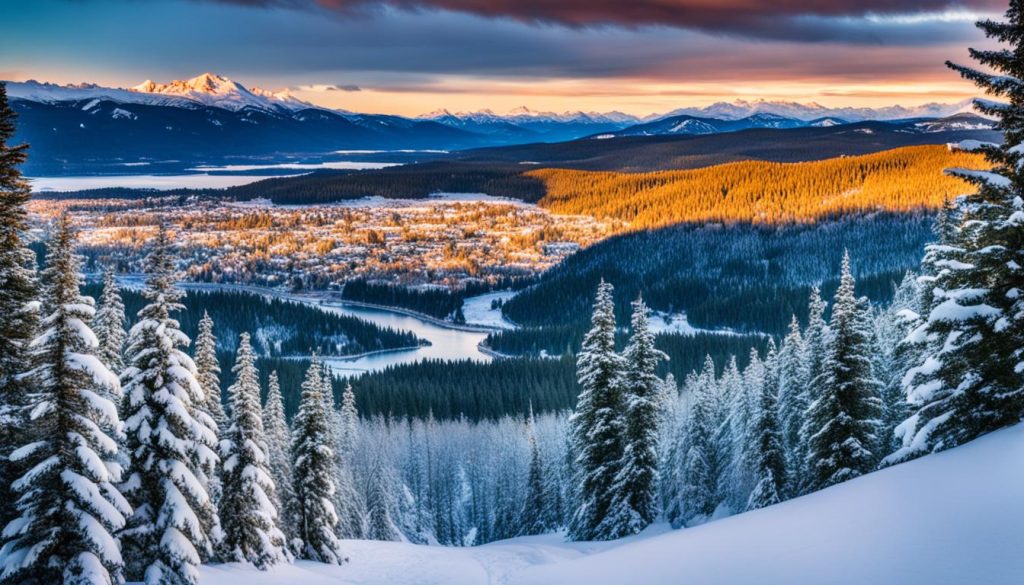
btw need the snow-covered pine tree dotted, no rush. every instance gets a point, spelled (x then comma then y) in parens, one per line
(210, 410)
(379, 525)
(69, 506)
(895, 355)
(699, 494)
(674, 439)
(969, 382)
(534, 516)
(669, 455)
(636, 485)
(816, 337)
(250, 520)
(347, 503)
(18, 302)
(208, 367)
(348, 430)
(768, 460)
(313, 473)
(596, 425)
(109, 323)
(728, 424)
(742, 417)
(174, 519)
(841, 426)
(279, 455)
(793, 401)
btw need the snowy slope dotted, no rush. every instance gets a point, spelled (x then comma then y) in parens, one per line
(955, 518)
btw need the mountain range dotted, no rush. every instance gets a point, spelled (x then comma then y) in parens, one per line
(210, 118)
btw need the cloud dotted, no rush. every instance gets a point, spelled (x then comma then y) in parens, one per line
(856, 21)
(331, 87)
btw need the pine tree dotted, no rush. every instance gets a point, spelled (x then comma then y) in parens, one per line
(18, 306)
(816, 336)
(534, 516)
(742, 419)
(841, 427)
(208, 367)
(313, 472)
(279, 455)
(699, 494)
(174, 519)
(767, 454)
(69, 506)
(250, 520)
(210, 411)
(793, 402)
(349, 425)
(379, 525)
(346, 500)
(636, 485)
(730, 413)
(895, 355)
(674, 441)
(110, 322)
(969, 382)
(596, 424)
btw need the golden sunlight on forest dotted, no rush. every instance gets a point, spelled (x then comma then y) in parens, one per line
(903, 179)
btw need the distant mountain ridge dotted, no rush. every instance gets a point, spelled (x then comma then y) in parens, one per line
(208, 89)
(687, 125)
(810, 111)
(87, 128)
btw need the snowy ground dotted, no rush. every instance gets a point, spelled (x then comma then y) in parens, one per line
(954, 518)
(478, 311)
(677, 323)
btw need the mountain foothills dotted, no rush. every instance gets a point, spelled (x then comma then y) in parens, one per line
(83, 129)
(898, 179)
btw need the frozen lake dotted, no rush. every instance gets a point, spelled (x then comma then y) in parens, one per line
(158, 182)
(220, 179)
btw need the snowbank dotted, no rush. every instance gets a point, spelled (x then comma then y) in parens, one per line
(954, 518)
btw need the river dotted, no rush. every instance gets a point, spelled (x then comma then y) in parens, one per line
(445, 343)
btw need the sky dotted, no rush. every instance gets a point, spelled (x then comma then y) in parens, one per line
(411, 57)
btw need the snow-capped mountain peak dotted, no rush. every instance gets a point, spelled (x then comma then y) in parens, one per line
(216, 90)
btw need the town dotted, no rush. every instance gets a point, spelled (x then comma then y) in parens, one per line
(446, 241)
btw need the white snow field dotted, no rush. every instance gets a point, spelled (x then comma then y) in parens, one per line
(477, 310)
(955, 518)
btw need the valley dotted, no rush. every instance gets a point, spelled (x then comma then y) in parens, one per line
(697, 314)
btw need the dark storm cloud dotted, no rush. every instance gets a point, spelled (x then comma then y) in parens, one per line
(407, 52)
(795, 20)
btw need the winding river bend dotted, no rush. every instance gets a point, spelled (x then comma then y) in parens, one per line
(445, 343)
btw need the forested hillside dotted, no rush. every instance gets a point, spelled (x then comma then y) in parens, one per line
(744, 277)
(904, 179)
